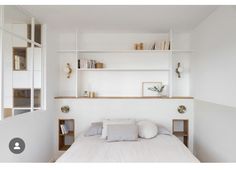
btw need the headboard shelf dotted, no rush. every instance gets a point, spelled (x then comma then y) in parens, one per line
(124, 97)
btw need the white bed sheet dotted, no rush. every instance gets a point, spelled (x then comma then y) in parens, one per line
(163, 148)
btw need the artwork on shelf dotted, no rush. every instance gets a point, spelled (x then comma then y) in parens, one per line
(151, 89)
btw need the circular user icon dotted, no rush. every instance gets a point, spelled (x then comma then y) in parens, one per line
(17, 145)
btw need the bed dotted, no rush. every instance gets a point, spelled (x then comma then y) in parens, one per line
(162, 148)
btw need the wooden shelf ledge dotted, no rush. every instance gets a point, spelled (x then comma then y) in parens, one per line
(123, 97)
(64, 148)
(70, 133)
(180, 133)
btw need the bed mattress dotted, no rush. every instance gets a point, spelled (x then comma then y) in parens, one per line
(162, 148)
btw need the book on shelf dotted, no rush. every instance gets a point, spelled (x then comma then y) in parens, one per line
(64, 129)
(83, 63)
(19, 62)
(165, 45)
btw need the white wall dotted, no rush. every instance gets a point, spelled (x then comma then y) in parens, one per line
(213, 86)
(213, 63)
(36, 128)
(181, 41)
(214, 132)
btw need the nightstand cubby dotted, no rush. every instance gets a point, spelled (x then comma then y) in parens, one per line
(65, 140)
(180, 130)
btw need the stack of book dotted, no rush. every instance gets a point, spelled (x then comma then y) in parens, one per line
(64, 129)
(165, 45)
(83, 63)
(19, 62)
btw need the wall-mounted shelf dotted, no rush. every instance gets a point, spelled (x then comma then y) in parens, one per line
(120, 69)
(123, 97)
(123, 51)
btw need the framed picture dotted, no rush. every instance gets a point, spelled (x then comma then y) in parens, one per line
(147, 88)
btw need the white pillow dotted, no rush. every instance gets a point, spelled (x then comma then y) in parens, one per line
(147, 129)
(107, 122)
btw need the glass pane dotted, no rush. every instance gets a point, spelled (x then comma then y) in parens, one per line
(17, 21)
(37, 32)
(21, 98)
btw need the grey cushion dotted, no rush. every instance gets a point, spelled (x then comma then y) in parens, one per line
(94, 129)
(122, 132)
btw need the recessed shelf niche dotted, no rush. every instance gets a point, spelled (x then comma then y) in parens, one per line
(19, 58)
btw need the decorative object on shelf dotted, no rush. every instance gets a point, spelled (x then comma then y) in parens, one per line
(99, 65)
(153, 46)
(65, 109)
(152, 89)
(138, 46)
(141, 46)
(91, 94)
(181, 109)
(68, 70)
(86, 94)
(179, 70)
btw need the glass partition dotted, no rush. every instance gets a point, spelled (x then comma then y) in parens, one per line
(21, 63)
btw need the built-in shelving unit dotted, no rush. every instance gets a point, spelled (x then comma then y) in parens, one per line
(124, 67)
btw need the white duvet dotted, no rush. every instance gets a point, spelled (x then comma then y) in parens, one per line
(163, 148)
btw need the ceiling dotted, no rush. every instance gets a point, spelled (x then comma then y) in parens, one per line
(155, 18)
